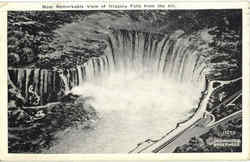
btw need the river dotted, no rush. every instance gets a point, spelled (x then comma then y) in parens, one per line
(132, 108)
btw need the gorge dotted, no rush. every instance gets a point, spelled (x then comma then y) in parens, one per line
(145, 53)
(142, 85)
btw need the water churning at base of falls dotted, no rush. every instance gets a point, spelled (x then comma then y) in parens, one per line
(132, 107)
(142, 87)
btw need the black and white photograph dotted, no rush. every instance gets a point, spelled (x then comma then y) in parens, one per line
(124, 81)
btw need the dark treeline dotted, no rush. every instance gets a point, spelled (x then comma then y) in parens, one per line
(30, 32)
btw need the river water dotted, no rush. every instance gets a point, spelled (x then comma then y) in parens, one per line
(132, 108)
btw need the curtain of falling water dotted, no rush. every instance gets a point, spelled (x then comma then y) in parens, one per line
(144, 85)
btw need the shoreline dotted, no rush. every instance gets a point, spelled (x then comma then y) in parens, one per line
(160, 144)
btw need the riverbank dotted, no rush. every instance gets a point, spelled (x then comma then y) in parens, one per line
(32, 129)
(183, 54)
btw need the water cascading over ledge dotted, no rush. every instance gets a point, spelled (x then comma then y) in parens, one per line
(172, 56)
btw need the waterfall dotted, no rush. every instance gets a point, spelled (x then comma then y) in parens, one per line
(174, 57)
(142, 86)
(48, 83)
(44, 82)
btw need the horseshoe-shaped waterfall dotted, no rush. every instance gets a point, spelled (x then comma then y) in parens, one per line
(142, 87)
(124, 81)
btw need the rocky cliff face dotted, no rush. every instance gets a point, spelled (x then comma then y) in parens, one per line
(179, 55)
(45, 65)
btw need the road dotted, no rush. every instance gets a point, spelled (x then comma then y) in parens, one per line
(196, 126)
(229, 100)
(195, 130)
(183, 137)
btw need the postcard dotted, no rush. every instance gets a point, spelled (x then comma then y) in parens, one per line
(124, 80)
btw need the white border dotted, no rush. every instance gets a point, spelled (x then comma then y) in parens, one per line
(168, 156)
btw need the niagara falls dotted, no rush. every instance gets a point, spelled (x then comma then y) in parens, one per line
(147, 81)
